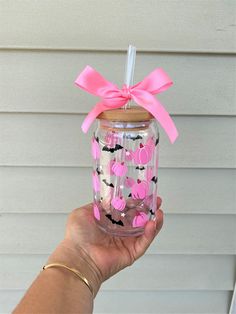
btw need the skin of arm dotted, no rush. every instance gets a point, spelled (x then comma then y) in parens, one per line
(94, 254)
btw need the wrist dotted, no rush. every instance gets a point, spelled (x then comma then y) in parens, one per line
(77, 258)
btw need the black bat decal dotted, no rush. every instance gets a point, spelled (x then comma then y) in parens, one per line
(140, 168)
(154, 179)
(96, 137)
(112, 149)
(107, 183)
(152, 212)
(117, 222)
(99, 171)
(157, 141)
(138, 137)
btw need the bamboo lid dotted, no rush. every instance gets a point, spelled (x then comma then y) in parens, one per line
(133, 114)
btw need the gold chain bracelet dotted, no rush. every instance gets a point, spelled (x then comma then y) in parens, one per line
(75, 271)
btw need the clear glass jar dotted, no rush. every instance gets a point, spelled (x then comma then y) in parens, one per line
(125, 154)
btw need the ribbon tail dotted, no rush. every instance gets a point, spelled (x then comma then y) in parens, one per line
(99, 108)
(159, 112)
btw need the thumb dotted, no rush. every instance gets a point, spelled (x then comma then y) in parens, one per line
(152, 228)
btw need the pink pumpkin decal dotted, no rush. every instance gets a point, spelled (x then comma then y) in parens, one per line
(111, 139)
(109, 166)
(119, 169)
(128, 155)
(96, 182)
(151, 143)
(118, 203)
(129, 182)
(142, 155)
(96, 212)
(140, 189)
(140, 219)
(96, 153)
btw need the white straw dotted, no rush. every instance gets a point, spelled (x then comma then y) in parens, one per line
(129, 69)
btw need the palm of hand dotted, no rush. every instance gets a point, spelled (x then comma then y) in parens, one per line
(111, 254)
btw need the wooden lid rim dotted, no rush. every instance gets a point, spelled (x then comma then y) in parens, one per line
(133, 114)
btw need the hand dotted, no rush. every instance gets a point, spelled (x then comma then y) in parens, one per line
(109, 254)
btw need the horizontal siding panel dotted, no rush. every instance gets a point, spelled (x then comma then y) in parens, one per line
(44, 81)
(158, 302)
(181, 234)
(152, 272)
(162, 302)
(57, 140)
(55, 189)
(153, 25)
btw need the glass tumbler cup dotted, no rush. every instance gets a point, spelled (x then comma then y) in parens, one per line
(125, 153)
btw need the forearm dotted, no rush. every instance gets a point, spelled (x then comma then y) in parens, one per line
(58, 290)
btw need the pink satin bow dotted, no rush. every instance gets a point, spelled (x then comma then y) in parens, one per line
(142, 93)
